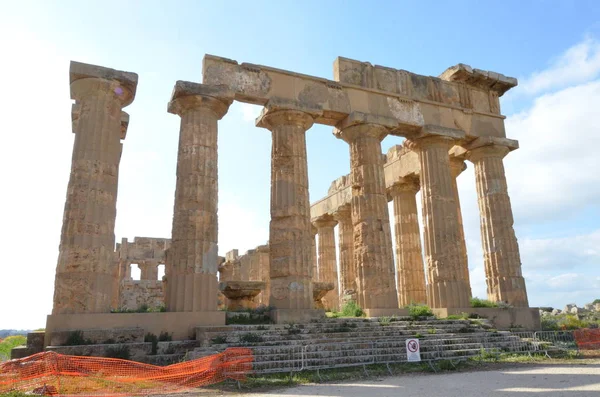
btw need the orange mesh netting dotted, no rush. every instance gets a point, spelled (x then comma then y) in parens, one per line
(50, 373)
(587, 338)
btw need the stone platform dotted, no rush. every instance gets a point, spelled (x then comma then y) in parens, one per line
(525, 318)
(180, 325)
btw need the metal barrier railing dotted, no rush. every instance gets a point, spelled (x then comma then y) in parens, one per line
(483, 345)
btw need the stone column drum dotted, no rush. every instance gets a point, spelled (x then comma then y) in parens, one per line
(447, 287)
(315, 274)
(83, 281)
(327, 261)
(457, 166)
(192, 282)
(409, 258)
(502, 260)
(372, 235)
(149, 270)
(343, 215)
(290, 228)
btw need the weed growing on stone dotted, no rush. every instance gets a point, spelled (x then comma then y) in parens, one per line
(76, 338)
(477, 302)
(219, 340)
(417, 311)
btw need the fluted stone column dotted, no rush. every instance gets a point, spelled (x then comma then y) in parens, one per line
(372, 234)
(447, 287)
(409, 257)
(83, 282)
(327, 261)
(343, 216)
(290, 229)
(502, 260)
(315, 273)
(457, 166)
(263, 260)
(192, 284)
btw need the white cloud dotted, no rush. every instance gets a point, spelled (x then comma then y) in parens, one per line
(578, 64)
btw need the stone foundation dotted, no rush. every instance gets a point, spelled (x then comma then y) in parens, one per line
(386, 312)
(180, 325)
(527, 319)
(296, 316)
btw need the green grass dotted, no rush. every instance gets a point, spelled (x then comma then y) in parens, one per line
(349, 309)
(567, 322)
(416, 311)
(477, 302)
(7, 344)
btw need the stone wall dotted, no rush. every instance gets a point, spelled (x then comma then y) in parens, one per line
(143, 292)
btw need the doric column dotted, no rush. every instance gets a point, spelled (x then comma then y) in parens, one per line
(370, 219)
(446, 286)
(315, 273)
(457, 166)
(83, 281)
(343, 215)
(327, 261)
(192, 286)
(502, 260)
(263, 260)
(149, 270)
(409, 256)
(290, 229)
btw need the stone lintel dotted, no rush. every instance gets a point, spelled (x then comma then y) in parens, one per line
(510, 144)
(127, 80)
(483, 79)
(218, 97)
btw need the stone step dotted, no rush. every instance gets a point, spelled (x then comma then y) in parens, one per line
(164, 359)
(176, 347)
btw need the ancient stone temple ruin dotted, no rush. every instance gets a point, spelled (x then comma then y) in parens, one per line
(448, 121)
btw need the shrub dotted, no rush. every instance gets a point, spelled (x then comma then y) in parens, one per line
(431, 331)
(251, 338)
(121, 352)
(385, 320)
(351, 309)
(476, 302)
(418, 335)
(573, 322)
(462, 316)
(219, 340)
(76, 338)
(165, 337)
(150, 337)
(417, 311)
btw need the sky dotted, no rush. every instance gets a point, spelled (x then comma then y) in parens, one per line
(552, 47)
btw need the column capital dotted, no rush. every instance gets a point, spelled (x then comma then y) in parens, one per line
(404, 185)
(489, 147)
(187, 95)
(124, 124)
(435, 135)
(350, 133)
(343, 213)
(326, 221)
(271, 117)
(88, 80)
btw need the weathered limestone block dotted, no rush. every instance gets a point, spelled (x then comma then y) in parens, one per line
(321, 289)
(83, 281)
(241, 294)
(409, 259)
(343, 216)
(447, 287)
(502, 260)
(327, 262)
(137, 351)
(290, 229)
(315, 274)
(264, 264)
(192, 286)
(137, 293)
(372, 235)
(117, 335)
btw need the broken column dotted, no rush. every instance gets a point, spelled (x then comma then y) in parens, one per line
(290, 228)
(409, 258)
(372, 235)
(327, 261)
(192, 283)
(343, 215)
(446, 287)
(83, 281)
(502, 260)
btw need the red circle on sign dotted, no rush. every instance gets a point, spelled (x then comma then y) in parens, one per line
(413, 346)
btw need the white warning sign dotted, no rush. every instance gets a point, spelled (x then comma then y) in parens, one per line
(413, 350)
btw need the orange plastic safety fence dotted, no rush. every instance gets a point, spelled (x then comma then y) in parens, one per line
(587, 338)
(50, 373)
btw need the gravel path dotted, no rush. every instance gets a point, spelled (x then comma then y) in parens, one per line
(548, 380)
